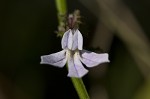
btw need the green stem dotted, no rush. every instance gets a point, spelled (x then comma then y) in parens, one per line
(80, 88)
(77, 82)
(61, 6)
(61, 10)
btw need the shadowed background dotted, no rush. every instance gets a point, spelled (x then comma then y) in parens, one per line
(120, 28)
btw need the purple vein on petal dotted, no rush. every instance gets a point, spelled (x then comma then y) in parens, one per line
(77, 40)
(66, 41)
(57, 59)
(76, 68)
(91, 59)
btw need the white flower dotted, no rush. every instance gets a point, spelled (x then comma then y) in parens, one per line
(73, 55)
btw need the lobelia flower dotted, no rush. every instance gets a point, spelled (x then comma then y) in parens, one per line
(73, 54)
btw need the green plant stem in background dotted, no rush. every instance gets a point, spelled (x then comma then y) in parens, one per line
(77, 82)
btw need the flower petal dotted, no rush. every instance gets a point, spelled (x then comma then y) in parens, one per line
(91, 59)
(57, 59)
(76, 68)
(66, 41)
(77, 40)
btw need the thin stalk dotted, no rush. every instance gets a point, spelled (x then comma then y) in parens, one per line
(61, 10)
(61, 6)
(80, 88)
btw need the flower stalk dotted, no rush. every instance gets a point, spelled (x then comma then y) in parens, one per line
(80, 88)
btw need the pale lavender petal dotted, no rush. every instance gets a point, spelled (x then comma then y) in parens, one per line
(56, 59)
(66, 41)
(76, 68)
(77, 40)
(91, 59)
